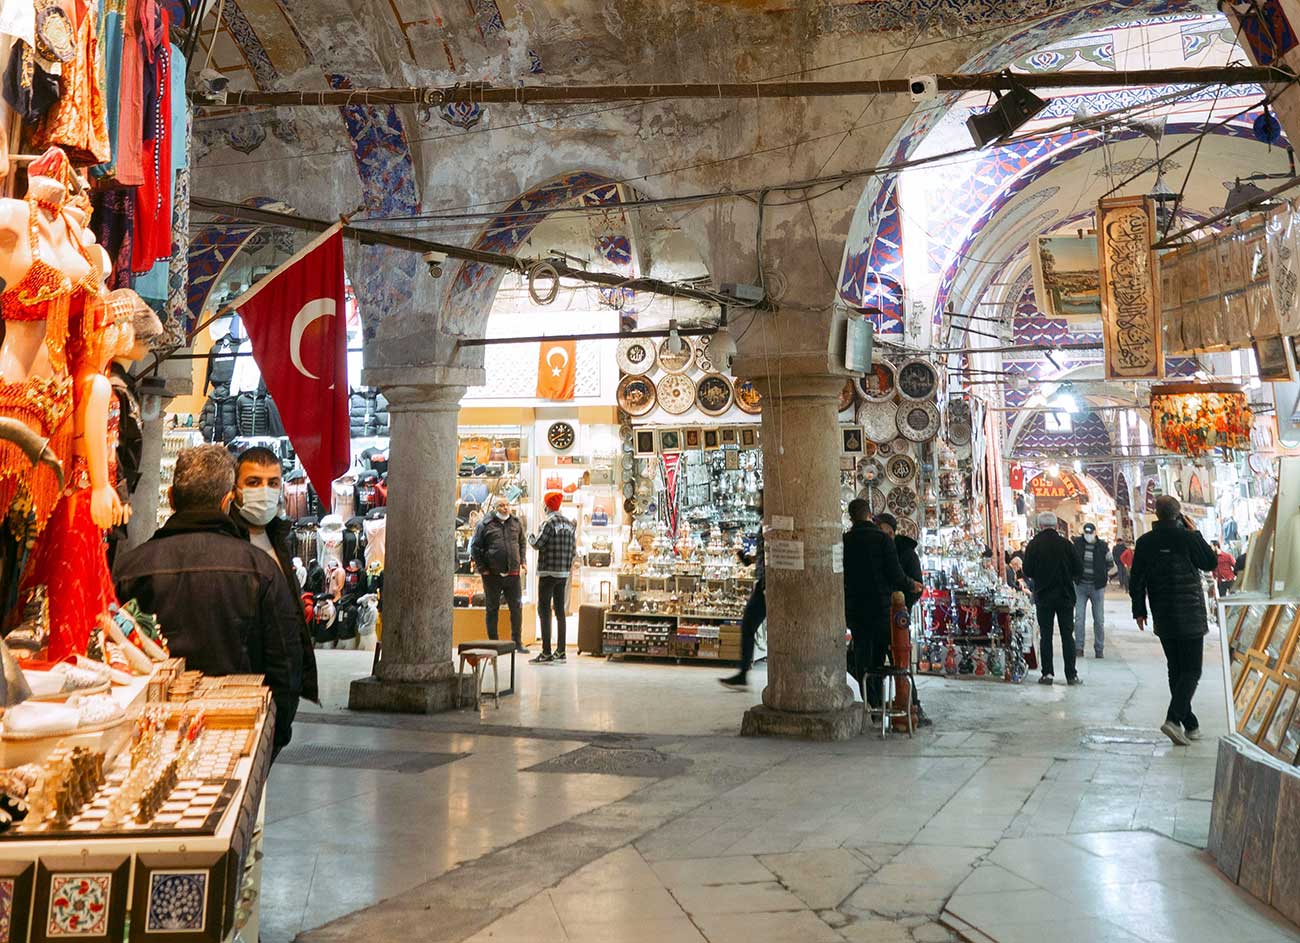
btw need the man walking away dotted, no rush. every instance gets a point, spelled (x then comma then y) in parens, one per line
(554, 544)
(755, 608)
(872, 574)
(1091, 588)
(224, 604)
(500, 553)
(1165, 569)
(1225, 570)
(1054, 568)
(1121, 569)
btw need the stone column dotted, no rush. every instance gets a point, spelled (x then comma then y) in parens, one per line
(807, 694)
(415, 673)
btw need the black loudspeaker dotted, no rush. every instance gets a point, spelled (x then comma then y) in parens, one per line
(1005, 117)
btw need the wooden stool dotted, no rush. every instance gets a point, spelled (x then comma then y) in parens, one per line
(476, 658)
(482, 648)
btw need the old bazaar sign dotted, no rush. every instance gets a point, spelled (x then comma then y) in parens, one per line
(1130, 290)
(1064, 485)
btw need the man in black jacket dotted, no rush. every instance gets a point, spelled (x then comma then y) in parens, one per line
(1166, 570)
(1094, 556)
(256, 509)
(872, 574)
(224, 605)
(908, 558)
(499, 551)
(1054, 568)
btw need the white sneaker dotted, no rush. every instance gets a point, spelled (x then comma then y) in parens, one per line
(1193, 734)
(1175, 733)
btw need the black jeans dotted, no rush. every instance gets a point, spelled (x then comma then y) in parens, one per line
(755, 613)
(1184, 656)
(494, 587)
(1062, 611)
(550, 595)
(871, 649)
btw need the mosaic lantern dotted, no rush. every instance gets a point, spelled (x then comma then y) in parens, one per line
(1195, 418)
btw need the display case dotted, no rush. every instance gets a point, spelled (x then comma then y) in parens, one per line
(590, 485)
(1262, 671)
(493, 462)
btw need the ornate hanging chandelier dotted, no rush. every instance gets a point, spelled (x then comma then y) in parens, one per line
(1195, 418)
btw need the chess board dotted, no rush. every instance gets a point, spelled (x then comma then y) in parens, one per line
(194, 807)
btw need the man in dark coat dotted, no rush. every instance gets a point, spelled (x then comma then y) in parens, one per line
(256, 509)
(223, 604)
(499, 551)
(872, 574)
(1053, 568)
(755, 613)
(1166, 572)
(1094, 556)
(1121, 571)
(910, 561)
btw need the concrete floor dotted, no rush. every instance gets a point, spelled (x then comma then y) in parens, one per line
(1026, 812)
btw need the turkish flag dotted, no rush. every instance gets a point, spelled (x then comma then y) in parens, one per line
(555, 369)
(297, 322)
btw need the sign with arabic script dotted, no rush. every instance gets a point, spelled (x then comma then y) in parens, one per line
(1130, 289)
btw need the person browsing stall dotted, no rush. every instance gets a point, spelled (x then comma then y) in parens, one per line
(555, 544)
(499, 553)
(224, 604)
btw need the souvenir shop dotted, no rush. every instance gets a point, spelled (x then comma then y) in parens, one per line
(130, 785)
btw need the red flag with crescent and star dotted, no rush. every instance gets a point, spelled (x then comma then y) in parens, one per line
(297, 322)
(555, 369)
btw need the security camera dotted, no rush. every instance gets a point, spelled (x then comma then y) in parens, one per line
(923, 87)
(434, 260)
(210, 87)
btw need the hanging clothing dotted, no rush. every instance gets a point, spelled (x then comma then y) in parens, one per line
(128, 149)
(111, 224)
(29, 89)
(112, 45)
(153, 205)
(163, 286)
(78, 120)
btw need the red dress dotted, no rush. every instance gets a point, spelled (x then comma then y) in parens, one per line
(71, 562)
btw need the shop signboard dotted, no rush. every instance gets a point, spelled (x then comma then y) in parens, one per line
(1130, 289)
(1060, 486)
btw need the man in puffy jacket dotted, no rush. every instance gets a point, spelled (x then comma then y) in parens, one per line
(1054, 568)
(499, 551)
(1167, 565)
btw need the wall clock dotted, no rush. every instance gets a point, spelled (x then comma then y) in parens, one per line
(560, 436)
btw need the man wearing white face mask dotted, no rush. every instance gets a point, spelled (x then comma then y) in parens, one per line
(256, 509)
(1091, 588)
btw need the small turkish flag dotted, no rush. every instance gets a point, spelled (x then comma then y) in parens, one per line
(555, 369)
(296, 320)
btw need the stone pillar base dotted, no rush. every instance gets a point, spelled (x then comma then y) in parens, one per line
(763, 721)
(407, 697)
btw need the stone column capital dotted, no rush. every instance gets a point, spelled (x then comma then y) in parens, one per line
(423, 389)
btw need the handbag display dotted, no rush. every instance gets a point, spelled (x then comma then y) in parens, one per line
(512, 453)
(466, 468)
(498, 451)
(554, 483)
(601, 552)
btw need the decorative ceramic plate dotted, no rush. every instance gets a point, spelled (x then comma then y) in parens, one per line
(676, 394)
(679, 362)
(870, 471)
(880, 382)
(713, 394)
(959, 430)
(629, 490)
(636, 395)
(748, 398)
(918, 380)
(918, 421)
(702, 358)
(900, 469)
(636, 355)
(885, 448)
(875, 499)
(628, 465)
(901, 501)
(869, 448)
(878, 421)
(846, 395)
(901, 446)
(625, 432)
(907, 527)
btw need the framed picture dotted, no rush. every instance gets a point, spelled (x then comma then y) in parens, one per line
(729, 435)
(711, 440)
(16, 878)
(1274, 360)
(180, 897)
(670, 440)
(848, 464)
(82, 897)
(852, 440)
(731, 460)
(645, 442)
(748, 437)
(691, 438)
(1277, 727)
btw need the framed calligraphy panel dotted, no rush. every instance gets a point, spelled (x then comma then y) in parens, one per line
(1130, 289)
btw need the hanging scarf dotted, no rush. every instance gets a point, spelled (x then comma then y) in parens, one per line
(672, 462)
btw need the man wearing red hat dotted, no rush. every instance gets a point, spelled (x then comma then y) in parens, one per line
(555, 544)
